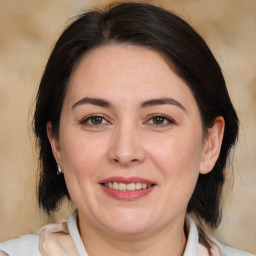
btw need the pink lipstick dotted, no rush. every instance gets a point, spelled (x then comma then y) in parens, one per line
(130, 188)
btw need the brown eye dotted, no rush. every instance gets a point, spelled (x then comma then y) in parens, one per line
(94, 120)
(160, 120)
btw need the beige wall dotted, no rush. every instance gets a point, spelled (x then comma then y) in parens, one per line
(28, 29)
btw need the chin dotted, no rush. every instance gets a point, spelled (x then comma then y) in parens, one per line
(128, 230)
(128, 224)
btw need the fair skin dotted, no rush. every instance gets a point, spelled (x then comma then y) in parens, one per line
(126, 114)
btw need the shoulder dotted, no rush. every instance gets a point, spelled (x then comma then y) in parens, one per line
(23, 246)
(217, 249)
(228, 251)
(234, 252)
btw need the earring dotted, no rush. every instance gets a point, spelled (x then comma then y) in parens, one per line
(58, 170)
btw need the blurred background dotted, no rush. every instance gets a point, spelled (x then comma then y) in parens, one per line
(28, 30)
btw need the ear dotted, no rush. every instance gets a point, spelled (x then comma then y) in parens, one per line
(54, 143)
(212, 145)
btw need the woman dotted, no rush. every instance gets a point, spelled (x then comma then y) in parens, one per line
(134, 111)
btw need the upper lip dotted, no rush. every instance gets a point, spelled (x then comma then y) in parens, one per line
(127, 180)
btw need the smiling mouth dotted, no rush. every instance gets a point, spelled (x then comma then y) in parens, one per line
(119, 186)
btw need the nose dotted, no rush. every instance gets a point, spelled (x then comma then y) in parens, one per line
(127, 147)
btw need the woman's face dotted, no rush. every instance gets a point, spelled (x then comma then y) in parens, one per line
(130, 141)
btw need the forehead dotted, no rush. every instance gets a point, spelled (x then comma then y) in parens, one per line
(126, 71)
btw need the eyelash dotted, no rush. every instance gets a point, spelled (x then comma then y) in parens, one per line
(86, 120)
(167, 120)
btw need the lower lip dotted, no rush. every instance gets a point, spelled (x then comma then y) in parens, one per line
(127, 195)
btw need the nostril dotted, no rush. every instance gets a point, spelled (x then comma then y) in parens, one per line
(126, 161)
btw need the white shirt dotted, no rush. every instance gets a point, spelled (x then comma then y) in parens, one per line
(64, 239)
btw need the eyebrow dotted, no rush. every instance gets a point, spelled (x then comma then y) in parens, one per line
(162, 101)
(149, 103)
(93, 101)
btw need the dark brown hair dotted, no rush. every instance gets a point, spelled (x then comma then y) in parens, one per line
(188, 55)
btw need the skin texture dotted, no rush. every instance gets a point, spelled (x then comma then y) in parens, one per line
(127, 140)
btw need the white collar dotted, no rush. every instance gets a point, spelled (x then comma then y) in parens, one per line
(192, 247)
(192, 242)
(74, 233)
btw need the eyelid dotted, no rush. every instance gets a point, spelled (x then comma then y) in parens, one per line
(86, 118)
(169, 119)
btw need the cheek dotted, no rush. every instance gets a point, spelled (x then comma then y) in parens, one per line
(177, 156)
(82, 154)
(82, 158)
(178, 159)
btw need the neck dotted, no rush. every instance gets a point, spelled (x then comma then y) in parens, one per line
(170, 240)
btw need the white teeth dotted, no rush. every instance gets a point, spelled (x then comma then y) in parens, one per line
(124, 187)
(130, 186)
(138, 185)
(115, 186)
